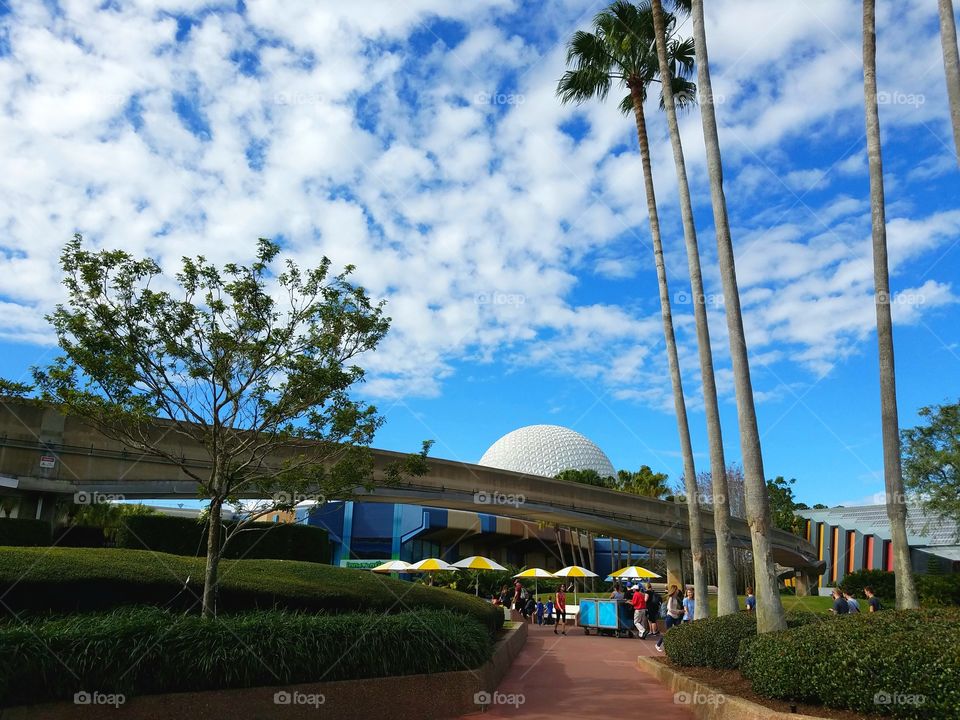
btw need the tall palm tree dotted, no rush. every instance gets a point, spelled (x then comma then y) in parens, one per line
(951, 65)
(892, 474)
(726, 573)
(620, 50)
(770, 615)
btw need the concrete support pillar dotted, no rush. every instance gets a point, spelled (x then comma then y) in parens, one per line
(806, 583)
(674, 567)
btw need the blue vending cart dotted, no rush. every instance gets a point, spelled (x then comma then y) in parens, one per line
(605, 617)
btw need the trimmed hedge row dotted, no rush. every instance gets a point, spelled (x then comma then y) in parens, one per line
(186, 536)
(900, 663)
(933, 590)
(715, 642)
(43, 580)
(146, 650)
(22, 532)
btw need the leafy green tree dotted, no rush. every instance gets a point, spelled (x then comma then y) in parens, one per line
(644, 482)
(109, 517)
(931, 459)
(585, 477)
(253, 365)
(783, 506)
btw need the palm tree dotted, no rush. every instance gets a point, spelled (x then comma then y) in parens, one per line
(726, 573)
(951, 65)
(620, 49)
(770, 615)
(893, 478)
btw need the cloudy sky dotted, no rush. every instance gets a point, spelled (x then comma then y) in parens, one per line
(422, 142)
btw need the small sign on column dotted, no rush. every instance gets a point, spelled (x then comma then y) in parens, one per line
(48, 461)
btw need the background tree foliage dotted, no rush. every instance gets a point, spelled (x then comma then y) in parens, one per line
(252, 363)
(931, 459)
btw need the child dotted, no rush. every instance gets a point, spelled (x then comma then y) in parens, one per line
(550, 610)
(751, 600)
(540, 609)
(688, 605)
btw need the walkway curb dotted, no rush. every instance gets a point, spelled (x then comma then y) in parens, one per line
(708, 703)
(405, 697)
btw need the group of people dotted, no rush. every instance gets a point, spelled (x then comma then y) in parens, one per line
(844, 603)
(551, 612)
(649, 607)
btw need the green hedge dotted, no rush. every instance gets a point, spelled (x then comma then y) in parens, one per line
(715, 642)
(934, 590)
(900, 663)
(881, 581)
(38, 580)
(20, 532)
(146, 650)
(186, 536)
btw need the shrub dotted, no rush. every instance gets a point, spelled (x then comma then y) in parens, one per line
(900, 663)
(881, 581)
(43, 580)
(938, 589)
(146, 650)
(187, 536)
(23, 532)
(715, 642)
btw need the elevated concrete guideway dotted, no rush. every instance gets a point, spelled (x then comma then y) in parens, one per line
(43, 453)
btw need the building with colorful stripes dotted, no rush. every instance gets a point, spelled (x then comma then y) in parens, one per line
(858, 538)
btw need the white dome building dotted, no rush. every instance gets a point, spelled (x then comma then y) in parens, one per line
(547, 450)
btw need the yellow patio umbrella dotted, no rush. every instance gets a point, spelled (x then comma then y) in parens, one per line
(392, 566)
(534, 573)
(575, 571)
(431, 565)
(633, 572)
(478, 562)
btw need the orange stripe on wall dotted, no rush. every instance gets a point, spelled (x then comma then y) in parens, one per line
(869, 563)
(835, 545)
(851, 548)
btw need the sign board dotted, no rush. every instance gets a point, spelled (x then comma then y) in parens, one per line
(48, 461)
(358, 564)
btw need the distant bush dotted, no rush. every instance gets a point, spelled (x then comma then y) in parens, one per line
(187, 536)
(937, 590)
(22, 532)
(900, 663)
(715, 642)
(44, 580)
(881, 581)
(139, 651)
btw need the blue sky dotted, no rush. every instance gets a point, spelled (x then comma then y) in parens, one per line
(423, 143)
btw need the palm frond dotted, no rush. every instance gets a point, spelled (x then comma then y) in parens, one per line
(683, 56)
(626, 105)
(684, 94)
(577, 86)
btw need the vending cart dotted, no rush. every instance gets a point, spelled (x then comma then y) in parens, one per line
(605, 617)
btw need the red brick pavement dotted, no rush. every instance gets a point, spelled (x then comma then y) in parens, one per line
(580, 676)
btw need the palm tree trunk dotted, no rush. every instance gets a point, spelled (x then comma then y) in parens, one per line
(770, 615)
(703, 340)
(951, 65)
(893, 479)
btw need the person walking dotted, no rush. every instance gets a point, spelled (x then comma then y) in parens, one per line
(639, 602)
(751, 600)
(540, 610)
(840, 606)
(561, 605)
(852, 604)
(674, 612)
(688, 606)
(872, 600)
(549, 611)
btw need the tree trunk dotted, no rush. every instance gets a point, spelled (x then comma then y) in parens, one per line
(703, 332)
(951, 65)
(893, 479)
(213, 559)
(770, 615)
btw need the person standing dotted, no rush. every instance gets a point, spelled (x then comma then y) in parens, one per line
(617, 593)
(653, 610)
(561, 605)
(688, 606)
(540, 609)
(674, 612)
(852, 605)
(549, 611)
(872, 600)
(517, 591)
(751, 600)
(639, 602)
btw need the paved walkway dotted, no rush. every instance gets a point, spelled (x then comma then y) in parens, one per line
(580, 676)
